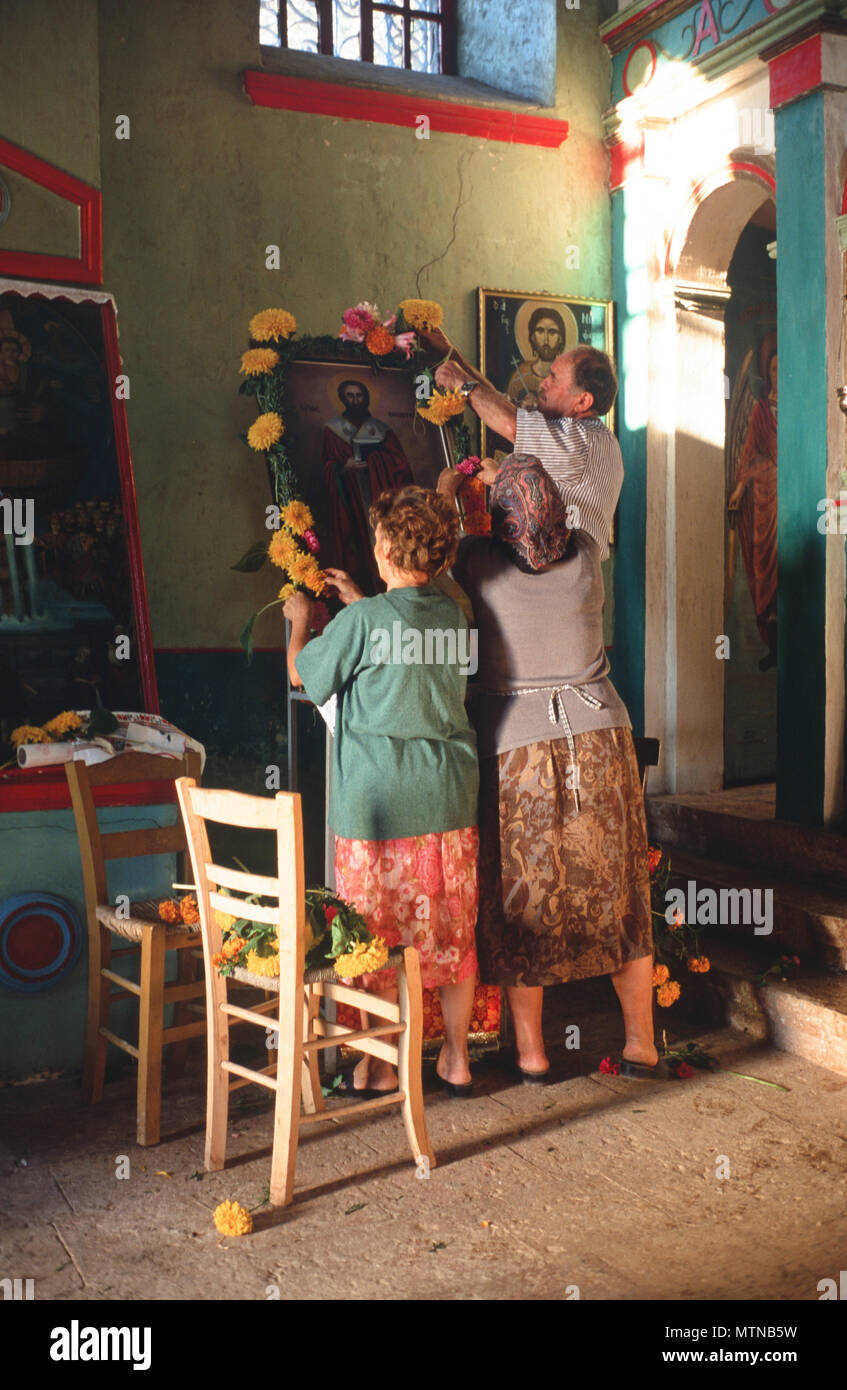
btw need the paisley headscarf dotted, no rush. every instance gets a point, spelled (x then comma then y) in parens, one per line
(527, 511)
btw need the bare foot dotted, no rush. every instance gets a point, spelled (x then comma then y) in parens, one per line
(453, 1066)
(645, 1053)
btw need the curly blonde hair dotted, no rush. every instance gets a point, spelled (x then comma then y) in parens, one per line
(421, 526)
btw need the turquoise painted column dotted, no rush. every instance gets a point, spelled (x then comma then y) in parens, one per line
(802, 456)
(628, 279)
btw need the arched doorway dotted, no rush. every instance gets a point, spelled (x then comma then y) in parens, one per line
(686, 543)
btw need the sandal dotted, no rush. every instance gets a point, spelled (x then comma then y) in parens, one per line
(640, 1071)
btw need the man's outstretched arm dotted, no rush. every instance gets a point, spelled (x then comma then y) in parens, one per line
(493, 408)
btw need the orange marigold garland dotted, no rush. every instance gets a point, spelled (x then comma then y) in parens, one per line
(379, 341)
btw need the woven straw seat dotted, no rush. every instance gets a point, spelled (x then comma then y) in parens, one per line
(141, 916)
(324, 974)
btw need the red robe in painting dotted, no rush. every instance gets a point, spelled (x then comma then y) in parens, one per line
(757, 513)
(386, 467)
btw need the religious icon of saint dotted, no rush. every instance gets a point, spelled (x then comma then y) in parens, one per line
(753, 503)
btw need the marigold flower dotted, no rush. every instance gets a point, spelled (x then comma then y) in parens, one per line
(699, 965)
(233, 947)
(28, 733)
(265, 431)
(422, 313)
(169, 911)
(660, 974)
(272, 324)
(297, 517)
(442, 406)
(189, 911)
(379, 341)
(218, 959)
(304, 569)
(364, 956)
(262, 965)
(258, 361)
(477, 523)
(232, 1219)
(667, 994)
(654, 859)
(65, 723)
(283, 549)
(286, 591)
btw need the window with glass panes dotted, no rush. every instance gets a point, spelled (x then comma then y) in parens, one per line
(414, 34)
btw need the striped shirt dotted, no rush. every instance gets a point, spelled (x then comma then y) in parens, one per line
(584, 460)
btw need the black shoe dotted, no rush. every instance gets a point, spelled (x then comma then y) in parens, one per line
(529, 1078)
(454, 1089)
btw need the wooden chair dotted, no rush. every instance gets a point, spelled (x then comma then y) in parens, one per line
(139, 925)
(294, 1075)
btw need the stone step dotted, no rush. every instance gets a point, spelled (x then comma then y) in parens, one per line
(782, 847)
(806, 1017)
(808, 920)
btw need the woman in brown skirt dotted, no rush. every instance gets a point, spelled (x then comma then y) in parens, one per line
(563, 877)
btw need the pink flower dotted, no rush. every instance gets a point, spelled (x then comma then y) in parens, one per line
(405, 342)
(320, 616)
(428, 869)
(312, 541)
(608, 1067)
(684, 1070)
(469, 466)
(390, 321)
(358, 322)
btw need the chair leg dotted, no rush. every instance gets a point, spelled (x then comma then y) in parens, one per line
(289, 1073)
(410, 1059)
(186, 974)
(313, 1099)
(150, 1022)
(217, 1080)
(94, 1066)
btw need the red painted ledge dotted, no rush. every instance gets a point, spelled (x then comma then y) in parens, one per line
(284, 93)
(87, 267)
(796, 72)
(46, 789)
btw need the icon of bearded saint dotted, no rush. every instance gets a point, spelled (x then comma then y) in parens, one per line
(15, 348)
(362, 457)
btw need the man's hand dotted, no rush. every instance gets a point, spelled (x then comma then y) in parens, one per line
(345, 587)
(488, 472)
(436, 339)
(450, 376)
(298, 610)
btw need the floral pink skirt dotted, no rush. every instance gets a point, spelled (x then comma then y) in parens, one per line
(421, 892)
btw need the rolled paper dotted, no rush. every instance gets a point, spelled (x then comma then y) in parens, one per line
(144, 738)
(46, 754)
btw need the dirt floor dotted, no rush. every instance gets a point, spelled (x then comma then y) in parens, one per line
(595, 1187)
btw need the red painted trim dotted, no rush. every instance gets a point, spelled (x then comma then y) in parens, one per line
(87, 267)
(146, 664)
(844, 199)
(625, 158)
(633, 19)
(284, 93)
(46, 789)
(796, 72)
(645, 43)
(701, 191)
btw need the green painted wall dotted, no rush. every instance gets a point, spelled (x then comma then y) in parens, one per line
(207, 181)
(802, 450)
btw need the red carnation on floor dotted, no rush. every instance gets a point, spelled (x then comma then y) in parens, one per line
(684, 1070)
(608, 1067)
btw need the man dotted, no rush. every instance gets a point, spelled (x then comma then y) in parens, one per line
(362, 457)
(546, 340)
(565, 433)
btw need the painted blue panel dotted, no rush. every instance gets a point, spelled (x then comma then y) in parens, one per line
(696, 33)
(802, 451)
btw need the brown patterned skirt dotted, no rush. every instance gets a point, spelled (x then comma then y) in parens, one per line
(563, 895)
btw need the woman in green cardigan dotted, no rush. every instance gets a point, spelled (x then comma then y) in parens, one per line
(405, 777)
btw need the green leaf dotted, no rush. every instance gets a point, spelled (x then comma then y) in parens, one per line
(252, 559)
(246, 638)
(248, 386)
(357, 1206)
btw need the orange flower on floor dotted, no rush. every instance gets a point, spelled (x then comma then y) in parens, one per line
(667, 994)
(379, 341)
(660, 974)
(699, 965)
(232, 1219)
(169, 911)
(188, 911)
(654, 859)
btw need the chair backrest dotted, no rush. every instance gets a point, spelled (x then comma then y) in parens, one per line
(95, 847)
(286, 911)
